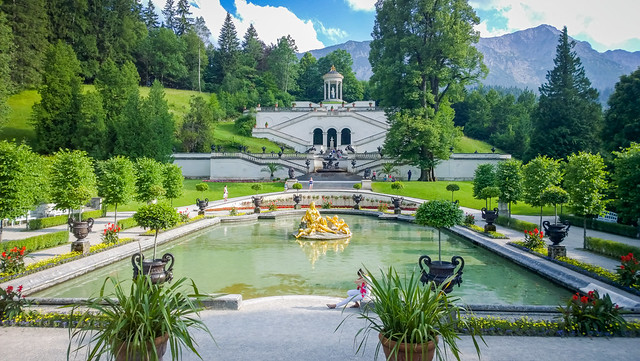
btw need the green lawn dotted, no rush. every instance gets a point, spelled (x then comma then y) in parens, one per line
(437, 190)
(423, 190)
(225, 135)
(214, 193)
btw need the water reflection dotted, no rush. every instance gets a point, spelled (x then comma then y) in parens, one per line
(315, 249)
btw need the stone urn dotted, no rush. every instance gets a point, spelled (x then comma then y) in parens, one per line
(80, 230)
(297, 198)
(489, 216)
(155, 269)
(357, 198)
(202, 205)
(397, 202)
(557, 231)
(439, 271)
(257, 201)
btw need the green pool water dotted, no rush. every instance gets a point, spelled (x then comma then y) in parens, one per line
(262, 258)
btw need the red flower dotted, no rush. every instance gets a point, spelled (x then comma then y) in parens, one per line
(584, 299)
(19, 288)
(9, 289)
(575, 297)
(621, 266)
(590, 293)
(4, 254)
(541, 234)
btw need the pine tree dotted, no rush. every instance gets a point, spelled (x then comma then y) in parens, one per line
(623, 116)
(155, 111)
(569, 117)
(229, 47)
(169, 13)
(196, 60)
(183, 20)
(252, 48)
(29, 24)
(6, 53)
(283, 63)
(55, 116)
(150, 17)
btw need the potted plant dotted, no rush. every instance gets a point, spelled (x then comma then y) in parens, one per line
(73, 182)
(156, 217)
(413, 322)
(138, 325)
(439, 214)
(556, 231)
(202, 203)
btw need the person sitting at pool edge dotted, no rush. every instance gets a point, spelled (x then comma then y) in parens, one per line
(356, 295)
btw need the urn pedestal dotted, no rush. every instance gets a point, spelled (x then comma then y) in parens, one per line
(202, 205)
(80, 230)
(555, 251)
(490, 217)
(397, 203)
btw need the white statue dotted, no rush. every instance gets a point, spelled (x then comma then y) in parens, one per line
(333, 93)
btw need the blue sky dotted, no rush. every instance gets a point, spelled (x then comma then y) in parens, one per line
(314, 24)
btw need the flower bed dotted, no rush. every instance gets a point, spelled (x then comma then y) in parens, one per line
(490, 234)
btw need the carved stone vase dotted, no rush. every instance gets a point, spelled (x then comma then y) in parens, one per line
(202, 205)
(297, 198)
(357, 198)
(155, 269)
(489, 216)
(80, 230)
(397, 202)
(557, 231)
(257, 201)
(439, 271)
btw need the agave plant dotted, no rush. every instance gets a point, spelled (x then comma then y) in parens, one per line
(406, 312)
(130, 322)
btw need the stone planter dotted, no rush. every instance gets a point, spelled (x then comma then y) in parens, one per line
(202, 205)
(556, 232)
(80, 230)
(397, 203)
(490, 217)
(357, 198)
(155, 269)
(257, 201)
(439, 271)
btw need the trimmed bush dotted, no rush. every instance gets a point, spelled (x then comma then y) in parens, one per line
(592, 223)
(38, 242)
(610, 248)
(516, 224)
(40, 223)
(127, 223)
(92, 214)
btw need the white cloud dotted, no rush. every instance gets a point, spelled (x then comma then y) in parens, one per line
(609, 24)
(362, 5)
(271, 22)
(274, 22)
(334, 34)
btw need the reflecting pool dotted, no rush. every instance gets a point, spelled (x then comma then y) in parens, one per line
(262, 258)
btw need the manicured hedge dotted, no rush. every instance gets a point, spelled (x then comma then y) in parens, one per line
(127, 223)
(592, 223)
(38, 242)
(47, 222)
(610, 248)
(515, 223)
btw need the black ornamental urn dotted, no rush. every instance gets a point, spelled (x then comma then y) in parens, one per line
(439, 271)
(489, 216)
(155, 269)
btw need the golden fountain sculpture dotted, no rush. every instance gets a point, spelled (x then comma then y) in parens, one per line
(314, 227)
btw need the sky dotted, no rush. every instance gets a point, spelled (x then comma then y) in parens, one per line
(315, 24)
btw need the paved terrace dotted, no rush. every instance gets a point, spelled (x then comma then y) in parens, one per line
(301, 327)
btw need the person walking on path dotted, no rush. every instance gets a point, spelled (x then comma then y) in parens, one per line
(225, 193)
(374, 175)
(409, 176)
(310, 183)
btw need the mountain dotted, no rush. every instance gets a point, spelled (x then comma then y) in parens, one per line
(521, 59)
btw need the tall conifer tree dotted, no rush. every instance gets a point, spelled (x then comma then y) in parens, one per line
(29, 24)
(6, 52)
(184, 22)
(150, 17)
(569, 117)
(169, 13)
